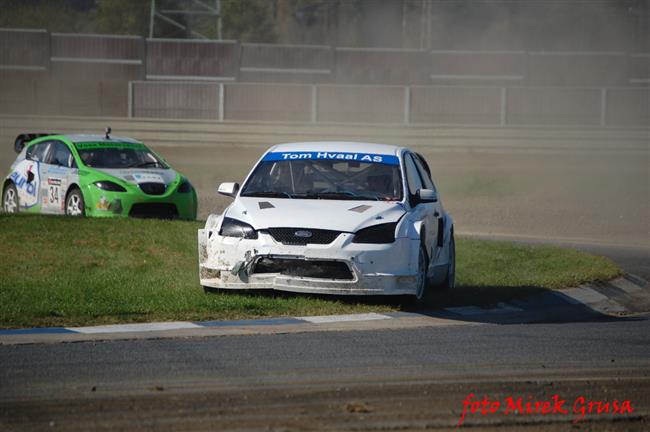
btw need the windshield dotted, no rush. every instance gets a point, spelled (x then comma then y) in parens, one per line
(325, 179)
(118, 155)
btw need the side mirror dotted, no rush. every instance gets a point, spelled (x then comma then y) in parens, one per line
(30, 176)
(19, 144)
(228, 189)
(427, 196)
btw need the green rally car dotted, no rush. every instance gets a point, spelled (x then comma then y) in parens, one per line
(94, 175)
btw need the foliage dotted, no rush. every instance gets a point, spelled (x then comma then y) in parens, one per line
(126, 17)
(69, 271)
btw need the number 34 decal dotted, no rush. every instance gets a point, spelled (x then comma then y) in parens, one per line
(53, 195)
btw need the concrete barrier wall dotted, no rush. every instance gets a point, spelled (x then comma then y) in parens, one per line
(628, 107)
(456, 105)
(553, 106)
(192, 59)
(46, 96)
(277, 102)
(478, 67)
(381, 66)
(639, 67)
(361, 104)
(577, 69)
(193, 100)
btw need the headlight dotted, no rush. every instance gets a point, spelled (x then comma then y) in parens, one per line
(109, 186)
(383, 233)
(234, 228)
(184, 187)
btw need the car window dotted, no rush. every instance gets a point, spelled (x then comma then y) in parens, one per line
(424, 174)
(118, 155)
(325, 179)
(38, 152)
(412, 176)
(60, 155)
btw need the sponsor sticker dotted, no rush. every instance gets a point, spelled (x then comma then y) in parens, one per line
(103, 204)
(148, 178)
(326, 155)
(27, 190)
(96, 145)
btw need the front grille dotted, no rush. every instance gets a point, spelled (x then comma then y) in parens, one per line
(153, 188)
(303, 268)
(305, 236)
(154, 210)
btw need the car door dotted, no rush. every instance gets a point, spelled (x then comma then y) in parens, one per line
(58, 173)
(425, 175)
(27, 175)
(424, 212)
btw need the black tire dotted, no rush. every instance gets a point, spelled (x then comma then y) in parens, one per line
(10, 200)
(74, 204)
(422, 291)
(450, 279)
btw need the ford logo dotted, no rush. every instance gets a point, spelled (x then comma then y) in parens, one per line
(303, 234)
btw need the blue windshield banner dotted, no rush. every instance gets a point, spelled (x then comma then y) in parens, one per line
(325, 155)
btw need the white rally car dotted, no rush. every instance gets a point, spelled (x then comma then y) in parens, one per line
(331, 218)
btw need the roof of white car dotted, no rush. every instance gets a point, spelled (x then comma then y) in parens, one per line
(79, 138)
(341, 146)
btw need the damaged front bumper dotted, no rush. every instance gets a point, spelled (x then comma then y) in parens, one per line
(341, 267)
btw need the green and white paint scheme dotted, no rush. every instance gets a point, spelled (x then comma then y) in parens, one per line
(94, 175)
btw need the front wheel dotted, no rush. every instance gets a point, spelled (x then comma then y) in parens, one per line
(74, 204)
(10, 199)
(450, 279)
(421, 277)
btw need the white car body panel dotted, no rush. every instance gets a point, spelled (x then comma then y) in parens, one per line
(377, 269)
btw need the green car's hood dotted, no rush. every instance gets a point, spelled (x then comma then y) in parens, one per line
(140, 175)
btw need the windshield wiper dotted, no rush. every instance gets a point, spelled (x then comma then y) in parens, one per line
(267, 194)
(345, 195)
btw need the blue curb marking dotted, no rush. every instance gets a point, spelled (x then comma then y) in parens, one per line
(258, 322)
(46, 330)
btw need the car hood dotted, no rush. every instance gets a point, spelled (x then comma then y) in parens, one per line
(348, 216)
(139, 175)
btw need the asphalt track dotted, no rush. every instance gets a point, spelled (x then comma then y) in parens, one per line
(591, 184)
(360, 377)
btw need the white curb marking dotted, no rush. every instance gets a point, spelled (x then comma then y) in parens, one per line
(126, 328)
(583, 295)
(627, 286)
(343, 318)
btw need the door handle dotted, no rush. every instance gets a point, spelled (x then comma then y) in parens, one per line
(436, 214)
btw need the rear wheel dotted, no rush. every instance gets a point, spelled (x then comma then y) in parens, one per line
(10, 199)
(74, 203)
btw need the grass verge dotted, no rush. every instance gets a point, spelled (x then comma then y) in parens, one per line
(63, 271)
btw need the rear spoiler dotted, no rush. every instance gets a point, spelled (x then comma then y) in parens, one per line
(23, 139)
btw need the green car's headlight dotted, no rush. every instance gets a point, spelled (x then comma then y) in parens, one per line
(184, 187)
(109, 186)
(382, 233)
(234, 228)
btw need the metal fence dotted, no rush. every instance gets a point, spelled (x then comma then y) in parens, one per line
(24, 50)
(188, 59)
(462, 105)
(105, 57)
(96, 57)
